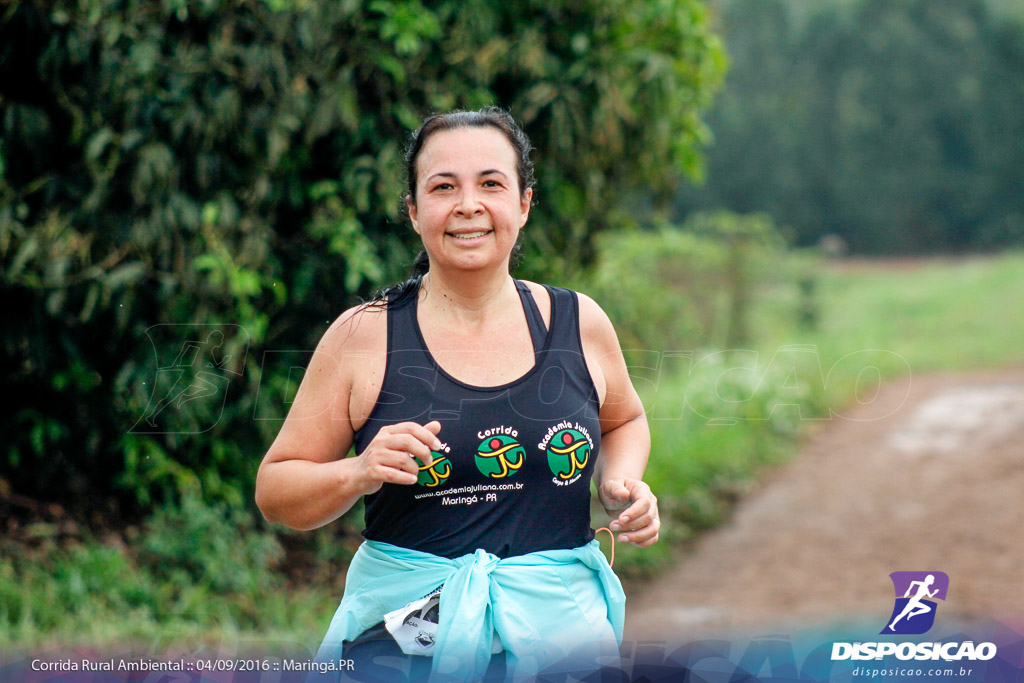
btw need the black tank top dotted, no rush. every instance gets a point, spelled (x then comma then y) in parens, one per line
(513, 473)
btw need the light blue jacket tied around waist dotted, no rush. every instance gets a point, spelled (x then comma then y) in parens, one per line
(542, 605)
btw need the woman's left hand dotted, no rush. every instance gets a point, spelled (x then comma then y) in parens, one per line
(638, 519)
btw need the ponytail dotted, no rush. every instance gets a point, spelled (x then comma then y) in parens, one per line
(404, 291)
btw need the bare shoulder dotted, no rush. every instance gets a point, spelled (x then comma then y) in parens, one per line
(619, 400)
(595, 325)
(360, 329)
(348, 346)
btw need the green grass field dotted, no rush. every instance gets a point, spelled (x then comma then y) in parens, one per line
(718, 420)
(939, 314)
(876, 320)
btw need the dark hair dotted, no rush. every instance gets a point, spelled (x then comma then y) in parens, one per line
(488, 117)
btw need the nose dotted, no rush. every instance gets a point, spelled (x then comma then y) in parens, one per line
(469, 204)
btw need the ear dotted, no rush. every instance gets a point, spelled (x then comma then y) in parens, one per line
(410, 206)
(524, 206)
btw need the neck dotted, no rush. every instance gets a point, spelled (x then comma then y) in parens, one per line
(469, 297)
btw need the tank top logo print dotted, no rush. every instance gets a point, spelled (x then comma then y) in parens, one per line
(499, 454)
(489, 486)
(438, 470)
(568, 447)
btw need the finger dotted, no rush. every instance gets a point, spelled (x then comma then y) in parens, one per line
(410, 445)
(635, 511)
(400, 459)
(426, 433)
(644, 537)
(637, 488)
(614, 496)
(639, 492)
(397, 459)
(640, 521)
(393, 475)
(647, 543)
(615, 488)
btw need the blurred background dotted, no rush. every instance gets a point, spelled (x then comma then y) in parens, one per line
(191, 191)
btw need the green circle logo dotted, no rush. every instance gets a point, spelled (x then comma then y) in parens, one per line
(438, 470)
(499, 456)
(568, 453)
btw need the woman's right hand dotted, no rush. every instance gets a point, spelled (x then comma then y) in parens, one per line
(387, 458)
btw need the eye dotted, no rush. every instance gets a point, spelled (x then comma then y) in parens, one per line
(442, 187)
(492, 183)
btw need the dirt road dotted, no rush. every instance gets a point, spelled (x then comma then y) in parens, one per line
(927, 476)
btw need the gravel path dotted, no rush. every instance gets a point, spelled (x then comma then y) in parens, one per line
(927, 476)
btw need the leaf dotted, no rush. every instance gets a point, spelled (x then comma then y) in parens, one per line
(392, 67)
(26, 252)
(98, 142)
(92, 296)
(125, 275)
(211, 212)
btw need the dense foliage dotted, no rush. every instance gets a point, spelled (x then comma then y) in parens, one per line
(190, 189)
(895, 125)
(697, 283)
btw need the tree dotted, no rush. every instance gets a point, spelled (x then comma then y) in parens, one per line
(189, 186)
(888, 123)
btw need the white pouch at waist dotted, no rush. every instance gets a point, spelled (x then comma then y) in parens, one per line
(414, 626)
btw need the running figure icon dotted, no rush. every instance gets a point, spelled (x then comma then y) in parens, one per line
(192, 354)
(917, 594)
(915, 606)
(191, 387)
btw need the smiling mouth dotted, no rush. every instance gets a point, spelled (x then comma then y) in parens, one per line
(468, 235)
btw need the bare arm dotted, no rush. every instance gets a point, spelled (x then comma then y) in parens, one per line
(625, 437)
(305, 480)
(910, 588)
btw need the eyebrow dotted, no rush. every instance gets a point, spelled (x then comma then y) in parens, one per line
(449, 174)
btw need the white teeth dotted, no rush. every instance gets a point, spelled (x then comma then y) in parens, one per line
(469, 235)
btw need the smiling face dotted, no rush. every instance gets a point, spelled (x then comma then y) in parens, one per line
(468, 208)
